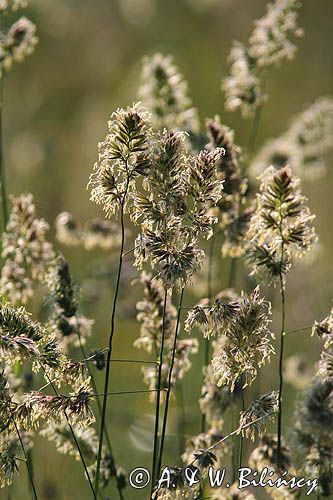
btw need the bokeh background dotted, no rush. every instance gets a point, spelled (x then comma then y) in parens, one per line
(56, 106)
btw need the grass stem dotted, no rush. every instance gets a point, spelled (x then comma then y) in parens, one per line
(99, 407)
(168, 391)
(31, 478)
(158, 398)
(282, 291)
(109, 352)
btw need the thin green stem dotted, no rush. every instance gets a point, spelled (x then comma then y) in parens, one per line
(128, 252)
(3, 191)
(231, 284)
(117, 393)
(158, 397)
(30, 461)
(210, 268)
(109, 352)
(27, 461)
(282, 291)
(222, 440)
(237, 431)
(99, 407)
(168, 392)
(233, 433)
(140, 361)
(297, 330)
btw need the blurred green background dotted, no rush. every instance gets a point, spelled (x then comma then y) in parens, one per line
(56, 106)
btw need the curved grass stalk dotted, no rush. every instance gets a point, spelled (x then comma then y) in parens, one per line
(99, 407)
(298, 330)
(168, 392)
(207, 344)
(109, 351)
(31, 478)
(158, 397)
(30, 462)
(282, 335)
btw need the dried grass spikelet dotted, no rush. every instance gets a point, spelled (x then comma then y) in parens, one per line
(37, 405)
(211, 320)
(165, 93)
(109, 471)
(313, 431)
(324, 329)
(63, 439)
(9, 450)
(266, 455)
(22, 339)
(13, 5)
(196, 449)
(96, 233)
(18, 43)
(263, 408)
(233, 216)
(5, 402)
(68, 231)
(281, 227)
(303, 146)
(87, 440)
(242, 88)
(25, 250)
(245, 343)
(18, 349)
(150, 315)
(101, 233)
(122, 159)
(269, 41)
(269, 44)
(173, 211)
(68, 325)
(178, 488)
(214, 401)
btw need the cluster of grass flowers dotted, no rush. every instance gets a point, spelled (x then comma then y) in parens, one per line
(19, 40)
(168, 191)
(269, 44)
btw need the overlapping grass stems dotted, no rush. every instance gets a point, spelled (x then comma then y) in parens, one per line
(179, 186)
